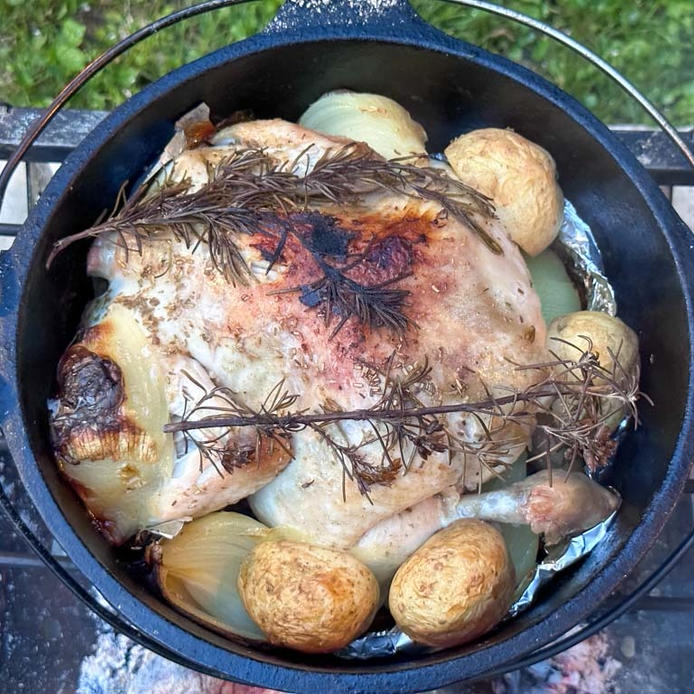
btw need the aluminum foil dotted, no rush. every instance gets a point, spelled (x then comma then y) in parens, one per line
(576, 245)
(378, 644)
(559, 558)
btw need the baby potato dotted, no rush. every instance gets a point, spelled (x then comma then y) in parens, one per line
(519, 176)
(608, 336)
(310, 598)
(455, 587)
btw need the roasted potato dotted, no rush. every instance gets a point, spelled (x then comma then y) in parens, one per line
(456, 586)
(519, 176)
(310, 598)
(569, 335)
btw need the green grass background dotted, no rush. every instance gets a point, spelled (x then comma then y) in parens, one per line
(45, 42)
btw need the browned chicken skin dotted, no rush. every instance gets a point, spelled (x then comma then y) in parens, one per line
(471, 315)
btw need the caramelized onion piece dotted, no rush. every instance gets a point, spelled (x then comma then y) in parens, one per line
(380, 122)
(197, 571)
(107, 423)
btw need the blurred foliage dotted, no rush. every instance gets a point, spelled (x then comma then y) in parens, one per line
(651, 42)
(45, 42)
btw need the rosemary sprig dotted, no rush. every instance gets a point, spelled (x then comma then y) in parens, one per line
(355, 464)
(250, 181)
(215, 448)
(349, 173)
(570, 404)
(250, 190)
(376, 306)
(214, 214)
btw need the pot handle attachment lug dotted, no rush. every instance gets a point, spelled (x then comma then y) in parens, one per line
(301, 16)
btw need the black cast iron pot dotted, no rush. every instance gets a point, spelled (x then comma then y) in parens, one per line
(449, 87)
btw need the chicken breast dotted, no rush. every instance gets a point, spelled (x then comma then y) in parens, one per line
(470, 314)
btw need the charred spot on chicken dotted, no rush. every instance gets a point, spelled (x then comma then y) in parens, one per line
(91, 389)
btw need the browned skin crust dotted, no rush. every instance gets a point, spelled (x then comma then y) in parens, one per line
(249, 463)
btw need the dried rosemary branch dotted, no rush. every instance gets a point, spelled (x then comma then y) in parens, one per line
(249, 191)
(249, 182)
(215, 214)
(572, 404)
(347, 174)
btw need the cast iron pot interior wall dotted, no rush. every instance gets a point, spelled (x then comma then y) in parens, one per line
(449, 87)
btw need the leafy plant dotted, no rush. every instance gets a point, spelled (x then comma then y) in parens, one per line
(44, 43)
(649, 41)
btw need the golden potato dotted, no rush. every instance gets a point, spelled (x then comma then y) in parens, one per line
(519, 176)
(456, 586)
(313, 599)
(608, 335)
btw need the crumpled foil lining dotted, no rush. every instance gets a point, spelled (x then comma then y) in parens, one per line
(559, 558)
(576, 245)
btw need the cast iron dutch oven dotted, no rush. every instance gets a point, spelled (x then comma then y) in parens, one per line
(449, 87)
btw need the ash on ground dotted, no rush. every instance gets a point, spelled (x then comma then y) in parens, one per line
(120, 666)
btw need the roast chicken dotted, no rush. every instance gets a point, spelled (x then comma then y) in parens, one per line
(171, 329)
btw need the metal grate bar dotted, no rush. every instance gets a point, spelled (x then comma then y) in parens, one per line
(64, 133)
(653, 149)
(666, 603)
(22, 560)
(9, 229)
